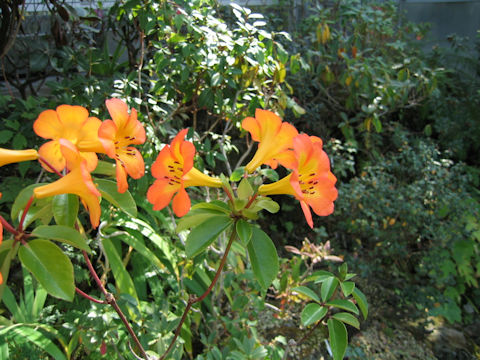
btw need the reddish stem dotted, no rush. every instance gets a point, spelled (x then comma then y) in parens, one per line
(230, 197)
(110, 299)
(252, 199)
(24, 214)
(41, 159)
(193, 299)
(7, 226)
(86, 296)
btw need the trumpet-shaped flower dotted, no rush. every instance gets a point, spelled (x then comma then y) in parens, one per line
(8, 156)
(78, 181)
(116, 135)
(311, 182)
(174, 172)
(71, 123)
(274, 137)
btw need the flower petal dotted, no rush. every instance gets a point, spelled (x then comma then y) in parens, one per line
(160, 193)
(106, 135)
(8, 156)
(50, 151)
(48, 125)
(118, 110)
(181, 203)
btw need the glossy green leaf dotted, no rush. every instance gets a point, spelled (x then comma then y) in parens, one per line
(65, 209)
(319, 276)
(328, 287)
(347, 318)
(244, 190)
(213, 205)
(105, 168)
(62, 233)
(307, 292)
(263, 257)
(141, 248)
(344, 305)
(361, 300)
(109, 192)
(22, 199)
(347, 287)
(312, 313)
(50, 266)
(338, 337)
(196, 217)
(40, 210)
(204, 234)
(267, 204)
(237, 174)
(244, 231)
(122, 277)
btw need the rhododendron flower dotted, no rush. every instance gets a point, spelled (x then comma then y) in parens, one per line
(71, 123)
(174, 172)
(8, 156)
(311, 182)
(78, 181)
(115, 136)
(274, 137)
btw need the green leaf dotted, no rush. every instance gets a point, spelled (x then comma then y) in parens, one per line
(65, 209)
(204, 234)
(62, 233)
(338, 337)
(343, 270)
(105, 168)
(244, 231)
(307, 292)
(344, 305)
(21, 333)
(312, 313)
(267, 204)
(263, 257)
(121, 275)
(140, 247)
(244, 190)
(361, 300)
(319, 276)
(22, 199)
(347, 287)
(328, 287)
(196, 217)
(50, 266)
(213, 205)
(237, 174)
(347, 318)
(124, 201)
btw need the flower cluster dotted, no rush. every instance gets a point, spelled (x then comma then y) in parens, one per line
(75, 140)
(311, 181)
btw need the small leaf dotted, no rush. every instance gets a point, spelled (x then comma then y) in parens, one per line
(328, 287)
(338, 337)
(347, 287)
(361, 300)
(312, 313)
(213, 205)
(237, 174)
(344, 305)
(319, 276)
(244, 231)
(62, 233)
(263, 257)
(65, 209)
(195, 218)
(124, 201)
(204, 234)
(244, 190)
(105, 168)
(267, 204)
(347, 318)
(50, 266)
(307, 292)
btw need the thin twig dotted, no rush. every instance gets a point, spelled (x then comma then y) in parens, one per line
(110, 299)
(86, 296)
(193, 299)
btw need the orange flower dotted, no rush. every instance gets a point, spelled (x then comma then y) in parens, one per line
(274, 137)
(78, 181)
(311, 182)
(8, 156)
(174, 172)
(1, 239)
(115, 136)
(71, 123)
